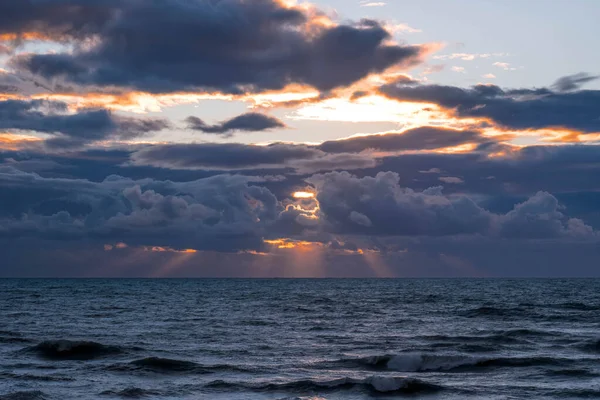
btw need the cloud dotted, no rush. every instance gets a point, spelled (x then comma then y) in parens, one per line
(360, 219)
(511, 108)
(230, 213)
(422, 138)
(72, 188)
(467, 56)
(231, 46)
(55, 19)
(372, 3)
(236, 156)
(69, 129)
(221, 213)
(380, 206)
(223, 156)
(351, 153)
(334, 162)
(248, 122)
(431, 171)
(540, 217)
(504, 65)
(572, 82)
(432, 69)
(451, 179)
(233, 213)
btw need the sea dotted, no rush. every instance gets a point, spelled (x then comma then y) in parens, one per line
(299, 339)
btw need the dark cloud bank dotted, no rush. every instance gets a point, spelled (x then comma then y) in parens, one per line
(227, 46)
(562, 106)
(229, 214)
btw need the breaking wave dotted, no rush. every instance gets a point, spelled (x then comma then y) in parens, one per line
(72, 350)
(27, 395)
(447, 363)
(165, 365)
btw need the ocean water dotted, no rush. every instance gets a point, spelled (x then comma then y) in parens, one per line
(299, 339)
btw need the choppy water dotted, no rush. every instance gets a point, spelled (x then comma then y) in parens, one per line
(275, 339)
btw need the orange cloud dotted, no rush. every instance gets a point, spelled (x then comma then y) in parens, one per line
(15, 37)
(303, 245)
(9, 141)
(161, 249)
(568, 136)
(152, 249)
(286, 243)
(461, 149)
(143, 102)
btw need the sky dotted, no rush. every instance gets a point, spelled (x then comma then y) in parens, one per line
(282, 138)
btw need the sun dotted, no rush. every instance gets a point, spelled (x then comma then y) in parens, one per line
(303, 195)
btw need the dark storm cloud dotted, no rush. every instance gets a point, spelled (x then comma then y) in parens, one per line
(568, 171)
(230, 213)
(223, 155)
(237, 156)
(352, 153)
(380, 206)
(513, 108)
(248, 122)
(83, 126)
(55, 19)
(423, 138)
(220, 213)
(231, 46)
(334, 162)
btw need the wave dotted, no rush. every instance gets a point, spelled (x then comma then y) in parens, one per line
(578, 306)
(9, 337)
(443, 363)
(375, 384)
(26, 395)
(72, 350)
(157, 364)
(503, 337)
(14, 340)
(489, 312)
(591, 346)
(577, 393)
(132, 392)
(165, 364)
(575, 373)
(32, 377)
